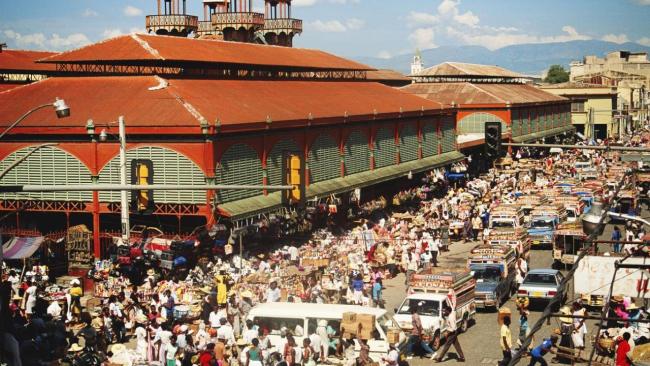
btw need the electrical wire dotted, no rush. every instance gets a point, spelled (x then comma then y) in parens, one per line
(557, 299)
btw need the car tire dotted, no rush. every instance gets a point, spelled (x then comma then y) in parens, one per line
(436, 341)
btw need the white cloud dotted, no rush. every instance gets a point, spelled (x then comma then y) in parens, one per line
(299, 3)
(496, 40)
(88, 13)
(643, 2)
(468, 19)
(448, 7)
(416, 18)
(616, 38)
(111, 33)
(423, 38)
(385, 55)
(40, 41)
(466, 28)
(354, 23)
(644, 41)
(327, 26)
(132, 11)
(337, 26)
(303, 3)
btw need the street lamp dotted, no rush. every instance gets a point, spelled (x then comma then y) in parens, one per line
(124, 203)
(62, 111)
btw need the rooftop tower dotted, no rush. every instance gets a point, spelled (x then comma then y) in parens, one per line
(172, 20)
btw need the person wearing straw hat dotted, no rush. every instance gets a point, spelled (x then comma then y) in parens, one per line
(579, 327)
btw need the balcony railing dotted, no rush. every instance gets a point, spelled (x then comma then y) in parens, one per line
(205, 27)
(284, 24)
(169, 22)
(225, 20)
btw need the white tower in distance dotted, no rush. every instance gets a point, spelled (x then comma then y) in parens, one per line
(416, 65)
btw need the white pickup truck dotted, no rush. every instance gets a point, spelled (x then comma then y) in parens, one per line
(429, 290)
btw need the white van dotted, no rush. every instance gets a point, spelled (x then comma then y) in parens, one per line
(301, 319)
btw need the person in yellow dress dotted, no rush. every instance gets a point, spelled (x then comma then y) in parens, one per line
(222, 291)
(76, 292)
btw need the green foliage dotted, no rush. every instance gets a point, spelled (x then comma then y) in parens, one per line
(557, 74)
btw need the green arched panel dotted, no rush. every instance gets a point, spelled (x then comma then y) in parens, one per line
(356, 153)
(324, 159)
(47, 166)
(408, 149)
(274, 161)
(169, 168)
(385, 147)
(448, 136)
(241, 165)
(475, 123)
(429, 139)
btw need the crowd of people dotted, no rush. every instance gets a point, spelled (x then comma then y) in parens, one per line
(200, 317)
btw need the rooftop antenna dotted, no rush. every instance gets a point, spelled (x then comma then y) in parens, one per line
(2, 45)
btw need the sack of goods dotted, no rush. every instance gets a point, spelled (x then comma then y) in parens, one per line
(361, 326)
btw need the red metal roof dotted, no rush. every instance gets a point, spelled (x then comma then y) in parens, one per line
(140, 47)
(387, 75)
(19, 60)
(5, 87)
(469, 94)
(459, 69)
(149, 102)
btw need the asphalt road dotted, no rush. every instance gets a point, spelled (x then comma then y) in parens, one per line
(481, 342)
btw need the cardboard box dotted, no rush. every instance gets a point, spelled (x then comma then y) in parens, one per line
(349, 317)
(393, 336)
(366, 321)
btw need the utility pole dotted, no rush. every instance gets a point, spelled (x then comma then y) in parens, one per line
(124, 203)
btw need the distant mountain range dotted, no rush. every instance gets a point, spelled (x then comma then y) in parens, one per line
(528, 59)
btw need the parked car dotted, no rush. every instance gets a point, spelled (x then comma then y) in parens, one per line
(540, 285)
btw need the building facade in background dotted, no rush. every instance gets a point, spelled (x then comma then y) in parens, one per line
(592, 108)
(482, 93)
(629, 72)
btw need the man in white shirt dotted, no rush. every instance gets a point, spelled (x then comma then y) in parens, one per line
(451, 332)
(214, 318)
(225, 332)
(293, 254)
(273, 292)
(316, 345)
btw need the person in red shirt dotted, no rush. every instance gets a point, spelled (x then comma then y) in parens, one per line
(622, 350)
(207, 357)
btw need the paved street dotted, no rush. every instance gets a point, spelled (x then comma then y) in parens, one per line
(480, 344)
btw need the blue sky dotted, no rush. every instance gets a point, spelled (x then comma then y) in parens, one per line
(376, 28)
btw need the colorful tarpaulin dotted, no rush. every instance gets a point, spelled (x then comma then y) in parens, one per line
(21, 247)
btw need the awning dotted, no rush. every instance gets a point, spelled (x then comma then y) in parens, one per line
(542, 134)
(21, 247)
(252, 206)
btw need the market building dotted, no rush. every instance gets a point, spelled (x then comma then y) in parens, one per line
(592, 108)
(208, 111)
(18, 67)
(484, 93)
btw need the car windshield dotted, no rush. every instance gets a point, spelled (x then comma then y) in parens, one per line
(505, 224)
(542, 223)
(487, 274)
(425, 307)
(540, 278)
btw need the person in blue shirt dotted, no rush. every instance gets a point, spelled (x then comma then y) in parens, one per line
(537, 354)
(357, 286)
(616, 236)
(376, 293)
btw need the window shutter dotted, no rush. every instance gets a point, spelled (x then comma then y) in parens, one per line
(357, 153)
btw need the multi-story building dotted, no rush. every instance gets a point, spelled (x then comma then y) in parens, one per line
(592, 108)
(629, 72)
